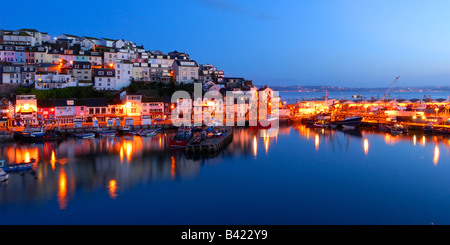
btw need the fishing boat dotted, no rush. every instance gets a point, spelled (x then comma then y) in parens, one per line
(397, 129)
(110, 133)
(88, 135)
(126, 131)
(181, 138)
(3, 175)
(148, 133)
(350, 122)
(37, 135)
(16, 167)
(319, 125)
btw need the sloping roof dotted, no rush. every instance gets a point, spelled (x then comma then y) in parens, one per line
(44, 103)
(186, 61)
(91, 102)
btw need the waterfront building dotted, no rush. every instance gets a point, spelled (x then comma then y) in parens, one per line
(64, 111)
(153, 108)
(25, 112)
(133, 105)
(6, 113)
(45, 112)
(185, 71)
(96, 108)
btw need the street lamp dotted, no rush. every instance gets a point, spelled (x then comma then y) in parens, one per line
(436, 109)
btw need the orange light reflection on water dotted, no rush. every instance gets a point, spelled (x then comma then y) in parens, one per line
(62, 190)
(366, 146)
(112, 189)
(436, 155)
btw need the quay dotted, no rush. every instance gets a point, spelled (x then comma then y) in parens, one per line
(210, 144)
(420, 115)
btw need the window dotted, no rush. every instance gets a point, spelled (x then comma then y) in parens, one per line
(101, 73)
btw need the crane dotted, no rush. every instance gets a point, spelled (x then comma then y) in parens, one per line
(392, 84)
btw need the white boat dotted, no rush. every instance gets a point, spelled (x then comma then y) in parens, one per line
(147, 133)
(3, 175)
(85, 135)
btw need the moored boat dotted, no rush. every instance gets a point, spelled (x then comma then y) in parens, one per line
(88, 135)
(110, 133)
(397, 129)
(3, 175)
(37, 135)
(181, 138)
(350, 122)
(16, 167)
(148, 133)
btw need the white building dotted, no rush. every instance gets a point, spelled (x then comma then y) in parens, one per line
(18, 38)
(52, 80)
(124, 73)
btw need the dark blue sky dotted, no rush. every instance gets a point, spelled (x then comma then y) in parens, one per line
(307, 42)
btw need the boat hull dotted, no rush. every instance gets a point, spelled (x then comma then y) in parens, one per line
(349, 122)
(178, 143)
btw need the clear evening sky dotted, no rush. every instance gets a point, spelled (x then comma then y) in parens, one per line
(300, 42)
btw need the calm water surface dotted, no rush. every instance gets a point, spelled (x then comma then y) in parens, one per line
(301, 176)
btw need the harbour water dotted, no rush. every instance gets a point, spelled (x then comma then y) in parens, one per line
(300, 176)
(296, 96)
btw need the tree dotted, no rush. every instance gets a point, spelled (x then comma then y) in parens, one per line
(214, 77)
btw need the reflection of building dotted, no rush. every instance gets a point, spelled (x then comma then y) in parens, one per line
(26, 109)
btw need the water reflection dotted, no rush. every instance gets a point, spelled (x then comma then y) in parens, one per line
(436, 155)
(63, 168)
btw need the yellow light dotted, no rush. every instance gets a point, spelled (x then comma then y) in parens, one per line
(366, 146)
(128, 104)
(436, 155)
(316, 142)
(112, 189)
